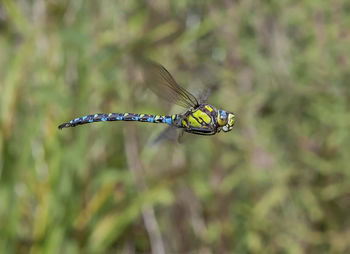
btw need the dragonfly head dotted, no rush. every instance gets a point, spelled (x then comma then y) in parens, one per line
(226, 120)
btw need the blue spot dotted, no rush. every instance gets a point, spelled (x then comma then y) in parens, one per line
(119, 118)
(91, 120)
(104, 119)
(168, 120)
(76, 119)
(71, 121)
(136, 118)
(84, 117)
(150, 119)
(223, 113)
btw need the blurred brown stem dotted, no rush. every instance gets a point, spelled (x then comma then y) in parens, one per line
(137, 169)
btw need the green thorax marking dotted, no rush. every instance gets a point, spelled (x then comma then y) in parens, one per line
(202, 117)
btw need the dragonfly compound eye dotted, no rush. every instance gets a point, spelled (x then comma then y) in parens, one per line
(222, 117)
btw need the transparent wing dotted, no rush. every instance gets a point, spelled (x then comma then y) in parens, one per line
(204, 95)
(164, 85)
(170, 134)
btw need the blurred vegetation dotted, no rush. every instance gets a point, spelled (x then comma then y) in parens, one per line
(278, 183)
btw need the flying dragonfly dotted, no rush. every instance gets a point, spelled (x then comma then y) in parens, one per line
(200, 117)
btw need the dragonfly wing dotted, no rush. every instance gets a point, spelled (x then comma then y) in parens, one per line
(164, 85)
(204, 95)
(169, 134)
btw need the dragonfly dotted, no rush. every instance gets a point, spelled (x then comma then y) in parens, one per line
(200, 118)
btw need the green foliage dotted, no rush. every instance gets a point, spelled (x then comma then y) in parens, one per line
(278, 183)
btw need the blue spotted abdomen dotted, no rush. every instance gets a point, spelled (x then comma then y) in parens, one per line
(121, 117)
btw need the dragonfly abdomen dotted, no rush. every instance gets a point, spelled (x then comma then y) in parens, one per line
(170, 119)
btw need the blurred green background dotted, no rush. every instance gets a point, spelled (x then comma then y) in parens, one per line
(278, 183)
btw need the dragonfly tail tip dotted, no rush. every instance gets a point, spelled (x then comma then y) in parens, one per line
(64, 125)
